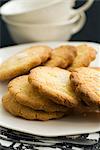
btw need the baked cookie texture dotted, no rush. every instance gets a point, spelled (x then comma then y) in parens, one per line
(25, 94)
(86, 84)
(54, 83)
(62, 56)
(50, 92)
(23, 61)
(22, 111)
(85, 54)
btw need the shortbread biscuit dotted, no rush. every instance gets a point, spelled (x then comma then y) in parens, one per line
(19, 110)
(62, 56)
(54, 83)
(24, 94)
(85, 54)
(86, 84)
(22, 62)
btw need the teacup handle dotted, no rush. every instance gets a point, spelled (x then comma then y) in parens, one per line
(79, 24)
(84, 7)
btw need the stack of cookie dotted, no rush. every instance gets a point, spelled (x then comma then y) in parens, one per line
(48, 91)
(79, 89)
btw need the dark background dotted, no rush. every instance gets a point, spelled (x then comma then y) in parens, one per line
(90, 32)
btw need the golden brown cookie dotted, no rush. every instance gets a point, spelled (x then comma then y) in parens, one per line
(86, 84)
(23, 61)
(62, 56)
(54, 83)
(85, 54)
(19, 110)
(24, 94)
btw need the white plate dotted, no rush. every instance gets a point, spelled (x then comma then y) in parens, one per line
(66, 126)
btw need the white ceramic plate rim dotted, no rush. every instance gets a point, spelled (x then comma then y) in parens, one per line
(57, 124)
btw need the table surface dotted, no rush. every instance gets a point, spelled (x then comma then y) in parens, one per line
(12, 140)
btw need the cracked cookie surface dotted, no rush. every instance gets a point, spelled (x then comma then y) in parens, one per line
(54, 82)
(62, 56)
(23, 61)
(85, 55)
(86, 84)
(25, 94)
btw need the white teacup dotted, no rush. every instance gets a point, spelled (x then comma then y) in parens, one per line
(41, 11)
(22, 33)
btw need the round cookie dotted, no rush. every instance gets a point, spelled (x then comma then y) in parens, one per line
(24, 94)
(62, 56)
(54, 82)
(86, 84)
(23, 61)
(19, 110)
(85, 55)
